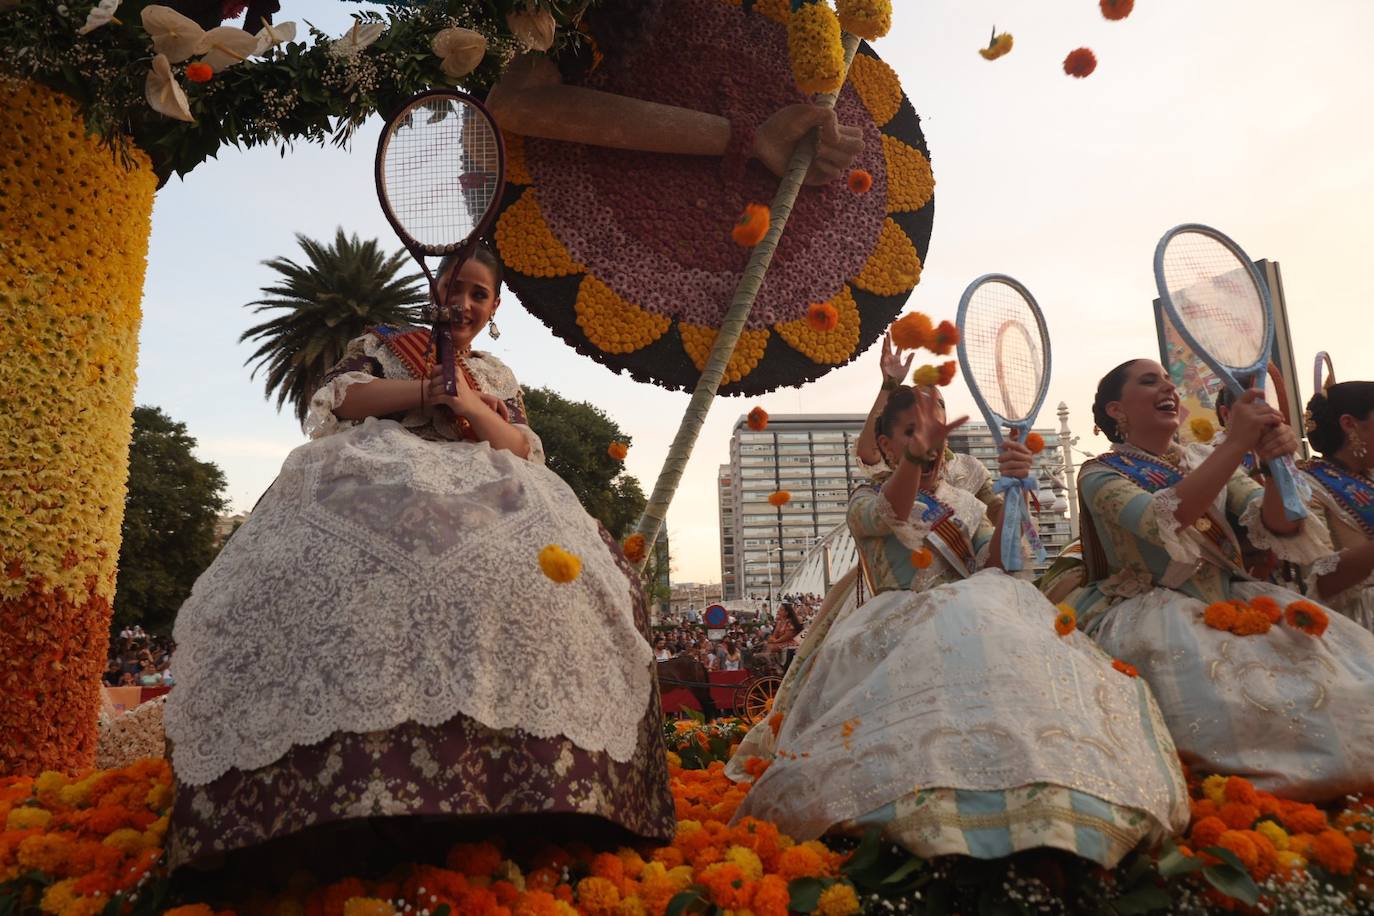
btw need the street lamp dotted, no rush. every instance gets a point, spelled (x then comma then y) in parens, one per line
(769, 565)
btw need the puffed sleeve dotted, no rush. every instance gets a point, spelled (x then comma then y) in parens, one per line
(1127, 514)
(1245, 500)
(495, 377)
(871, 515)
(358, 366)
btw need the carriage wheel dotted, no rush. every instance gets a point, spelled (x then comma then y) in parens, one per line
(754, 697)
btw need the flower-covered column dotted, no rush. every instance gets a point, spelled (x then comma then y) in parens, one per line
(74, 226)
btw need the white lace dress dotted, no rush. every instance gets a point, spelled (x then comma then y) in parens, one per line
(388, 583)
(1345, 529)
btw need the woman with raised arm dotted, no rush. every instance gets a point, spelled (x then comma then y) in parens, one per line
(1340, 427)
(1249, 683)
(371, 650)
(952, 710)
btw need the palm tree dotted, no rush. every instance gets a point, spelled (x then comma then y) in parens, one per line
(345, 288)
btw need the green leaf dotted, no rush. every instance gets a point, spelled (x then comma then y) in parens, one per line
(910, 867)
(1142, 900)
(443, 910)
(1231, 878)
(1174, 863)
(694, 715)
(805, 894)
(866, 855)
(688, 901)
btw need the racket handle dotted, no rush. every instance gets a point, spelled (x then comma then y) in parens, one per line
(1013, 519)
(1285, 476)
(445, 347)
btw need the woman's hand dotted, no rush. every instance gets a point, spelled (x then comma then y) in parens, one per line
(1278, 441)
(1013, 458)
(931, 432)
(890, 361)
(465, 401)
(836, 145)
(1251, 418)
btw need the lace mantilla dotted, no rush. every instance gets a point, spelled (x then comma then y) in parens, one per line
(385, 578)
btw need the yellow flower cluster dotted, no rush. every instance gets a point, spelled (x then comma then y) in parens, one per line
(894, 267)
(878, 87)
(517, 167)
(910, 182)
(74, 232)
(697, 341)
(869, 19)
(814, 46)
(559, 565)
(528, 245)
(614, 325)
(829, 348)
(1202, 429)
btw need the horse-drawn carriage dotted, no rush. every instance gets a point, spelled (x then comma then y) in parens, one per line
(747, 693)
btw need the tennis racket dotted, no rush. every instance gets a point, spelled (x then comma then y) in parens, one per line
(441, 170)
(1321, 379)
(1004, 352)
(1220, 306)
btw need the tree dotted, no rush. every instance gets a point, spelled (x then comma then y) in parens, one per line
(170, 511)
(576, 435)
(344, 289)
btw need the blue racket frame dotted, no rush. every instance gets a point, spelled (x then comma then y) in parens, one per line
(1016, 511)
(1282, 470)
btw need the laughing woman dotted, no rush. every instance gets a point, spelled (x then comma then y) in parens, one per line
(371, 650)
(1162, 526)
(947, 710)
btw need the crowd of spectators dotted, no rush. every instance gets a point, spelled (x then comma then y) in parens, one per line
(138, 660)
(743, 643)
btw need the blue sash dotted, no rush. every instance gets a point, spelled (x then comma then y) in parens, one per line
(945, 535)
(1353, 494)
(1151, 476)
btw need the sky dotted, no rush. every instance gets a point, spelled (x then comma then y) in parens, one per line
(1248, 115)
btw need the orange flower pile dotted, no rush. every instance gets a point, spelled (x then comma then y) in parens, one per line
(779, 498)
(618, 450)
(1261, 614)
(860, 181)
(822, 316)
(1080, 63)
(752, 226)
(757, 419)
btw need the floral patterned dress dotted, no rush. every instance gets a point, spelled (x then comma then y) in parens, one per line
(377, 640)
(1292, 713)
(1345, 502)
(947, 712)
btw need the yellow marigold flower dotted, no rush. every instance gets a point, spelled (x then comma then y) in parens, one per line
(894, 267)
(368, 906)
(614, 324)
(682, 876)
(997, 47)
(697, 341)
(1273, 833)
(46, 852)
(674, 760)
(28, 818)
(59, 896)
(125, 839)
(597, 895)
(838, 900)
(815, 48)
(631, 906)
(1202, 429)
(878, 88)
(1214, 787)
(925, 376)
(159, 797)
(1289, 861)
(747, 860)
(910, 181)
(48, 786)
(558, 564)
(869, 19)
(528, 245)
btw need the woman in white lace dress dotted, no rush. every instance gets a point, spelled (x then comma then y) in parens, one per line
(378, 639)
(1341, 428)
(946, 710)
(1162, 529)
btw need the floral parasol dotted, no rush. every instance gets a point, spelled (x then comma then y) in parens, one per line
(628, 256)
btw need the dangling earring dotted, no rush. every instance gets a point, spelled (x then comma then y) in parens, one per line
(1357, 446)
(493, 330)
(1123, 427)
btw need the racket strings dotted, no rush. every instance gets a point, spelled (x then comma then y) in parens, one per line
(1004, 349)
(1216, 298)
(441, 171)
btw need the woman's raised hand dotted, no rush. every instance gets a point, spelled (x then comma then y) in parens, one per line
(890, 361)
(836, 145)
(1013, 458)
(928, 438)
(1250, 420)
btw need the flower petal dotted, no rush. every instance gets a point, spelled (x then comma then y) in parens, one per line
(269, 36)
(174, 36)
(100, 14)
(461, 50)
(226, 46)
(164, 93)
(357, 38)
(534, 29)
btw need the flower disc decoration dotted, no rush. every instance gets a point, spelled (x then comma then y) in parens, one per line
(629, 256)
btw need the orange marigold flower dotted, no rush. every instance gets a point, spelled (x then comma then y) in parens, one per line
(752, 226)
(775, 723)
(199, 73)
(947, 371)
(608, 865)
(1036, 443)
(727, 885)
(756, 766)
(1238, 816)
(757, 419)
(1334, 852)
(1300, 817)
(912, 331)
(779, 498)
(1241, 845)
(1306, 616)
(535, 903)
(1203, 807)
(822, 317)
(1207, 831)
(618, 450)
(597, 895)
(860, 181)
(476, 860)
(1116, 9)
(922, 558)
(771, 897)
(925, 376)
(1220, 615)
(634, 548)
(1268, 607)
(1241, 791)
(1250, 622)
(1081, 62)
(800, 862)
(1066, 621)
(944, 338)
(1125, 668)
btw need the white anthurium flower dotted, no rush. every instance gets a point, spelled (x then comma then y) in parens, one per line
(533, 28)
(101, 14)
(164, 94)
(226, 46)
(461, 51)
(357, 38)
(174, 35)
(269, 36)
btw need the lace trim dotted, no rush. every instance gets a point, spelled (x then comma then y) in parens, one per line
(1325, 566)
(1173, 535)
(321, 421)
(1308, 545)
(1126, 583)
